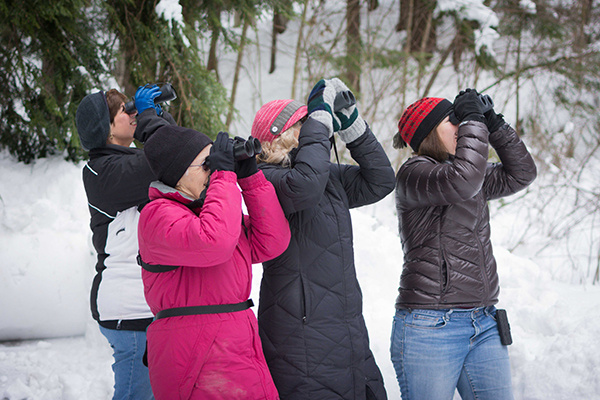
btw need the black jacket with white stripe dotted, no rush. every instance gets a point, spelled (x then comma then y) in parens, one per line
(116, 181)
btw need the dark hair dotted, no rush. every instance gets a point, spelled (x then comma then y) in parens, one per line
(433, 147)
(114, 99)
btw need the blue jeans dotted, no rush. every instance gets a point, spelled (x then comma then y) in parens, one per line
(435, 352)
(132, 381)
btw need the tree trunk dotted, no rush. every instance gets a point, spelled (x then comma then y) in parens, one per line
(279, 26)
(581, 38)
(517, 80)
(353, 45)
(215, 27)
(404, 80)
(437, 69)
(424, 56)
(298, 49)
(420, 16)
(236, 76)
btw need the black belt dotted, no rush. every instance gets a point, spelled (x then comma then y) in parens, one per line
(197, 310)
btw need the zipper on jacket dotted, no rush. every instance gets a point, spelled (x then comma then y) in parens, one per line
(303, 300)
(486, 283)
(445, 275)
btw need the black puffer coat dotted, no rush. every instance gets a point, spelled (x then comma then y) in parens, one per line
(444, 218)
(310, 311)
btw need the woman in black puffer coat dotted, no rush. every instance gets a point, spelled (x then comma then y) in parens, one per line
(310, 311)
(445, 333)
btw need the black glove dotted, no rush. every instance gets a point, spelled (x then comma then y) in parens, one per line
(247, 167)
(221, 154)
(468, 106)
(493, 121)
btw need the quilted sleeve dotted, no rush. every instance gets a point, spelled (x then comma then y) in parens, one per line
(516, 169)
(268, 229)
(422, 181)
(373, 178)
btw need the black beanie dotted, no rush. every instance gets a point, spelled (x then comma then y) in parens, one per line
(172, 149)
(93, 121)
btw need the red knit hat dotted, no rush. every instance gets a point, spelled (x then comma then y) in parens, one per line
(420, 118)
(276, 117)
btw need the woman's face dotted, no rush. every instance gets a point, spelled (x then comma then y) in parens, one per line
(448, 133)
(195, 179)
(122, 128)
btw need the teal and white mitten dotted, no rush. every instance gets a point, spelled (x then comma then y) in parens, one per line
(352, 124)
(320, 105)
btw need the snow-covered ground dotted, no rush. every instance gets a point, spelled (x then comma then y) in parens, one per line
(46, 267)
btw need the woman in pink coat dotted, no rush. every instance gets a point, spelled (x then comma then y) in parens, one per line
(197, 251)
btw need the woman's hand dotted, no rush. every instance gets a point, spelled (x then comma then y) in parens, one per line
(144, 98)
(468, 107)
(352, 124)
(221, 154)
(247, 167)
(321, 105)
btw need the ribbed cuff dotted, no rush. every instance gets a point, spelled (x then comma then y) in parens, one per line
(356, 130)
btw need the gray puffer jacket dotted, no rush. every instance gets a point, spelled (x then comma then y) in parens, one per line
(444, 218)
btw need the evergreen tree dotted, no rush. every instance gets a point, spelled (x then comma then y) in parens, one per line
(48, 61)
(150, 49)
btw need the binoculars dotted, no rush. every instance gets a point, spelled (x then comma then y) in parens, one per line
(167, 93)
(244, 149)
(343, 100)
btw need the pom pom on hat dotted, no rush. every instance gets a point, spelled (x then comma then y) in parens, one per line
(419, 119)
(172, 149)
(93, 121)
(276, 117)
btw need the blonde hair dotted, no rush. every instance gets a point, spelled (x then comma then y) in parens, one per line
(277, 151)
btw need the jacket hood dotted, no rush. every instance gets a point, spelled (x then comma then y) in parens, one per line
(159, 190)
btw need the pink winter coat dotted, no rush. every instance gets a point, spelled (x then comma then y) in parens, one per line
(209, 356)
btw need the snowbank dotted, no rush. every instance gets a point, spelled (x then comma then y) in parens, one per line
(47, 255)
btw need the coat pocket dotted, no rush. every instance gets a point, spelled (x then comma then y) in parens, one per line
(444, 275)
(198, 355)
(176, 355)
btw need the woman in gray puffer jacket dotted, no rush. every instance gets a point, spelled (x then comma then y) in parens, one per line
(445, 333)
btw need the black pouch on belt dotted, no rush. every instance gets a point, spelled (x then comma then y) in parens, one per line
(503, 327)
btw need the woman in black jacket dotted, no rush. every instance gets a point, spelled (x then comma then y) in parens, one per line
(310, 311)
(446, 328)
(116, 180)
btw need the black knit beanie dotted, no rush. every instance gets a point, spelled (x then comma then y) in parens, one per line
(93, 121)
(171, 150)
